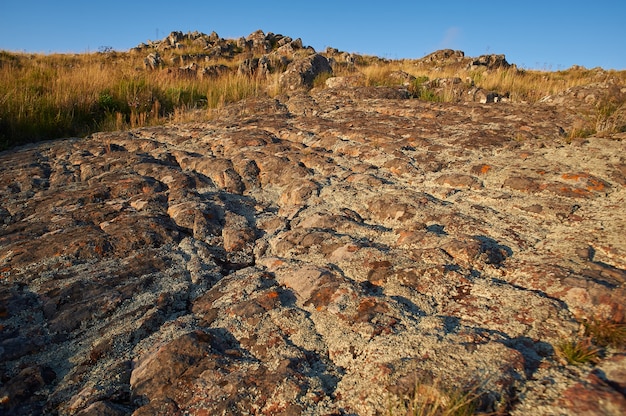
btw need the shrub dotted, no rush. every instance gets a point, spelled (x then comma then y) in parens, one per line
(419, 90)
(320, 80)
(582, 128)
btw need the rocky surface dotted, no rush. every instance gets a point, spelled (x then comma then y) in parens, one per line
(312, 254)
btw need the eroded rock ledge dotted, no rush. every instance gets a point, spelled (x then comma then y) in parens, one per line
(311, 254)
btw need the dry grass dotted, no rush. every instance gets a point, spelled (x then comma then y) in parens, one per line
(49, 96)
(60, 95)
(608, 116)
(521, 85)
(430, 398)
(605, 333)
(578, 351)
(591, 343)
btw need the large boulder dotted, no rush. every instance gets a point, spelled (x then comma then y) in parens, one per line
(302, 72)
(492, 61)
(443, 55)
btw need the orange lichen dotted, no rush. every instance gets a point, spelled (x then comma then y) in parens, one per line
(573, 176)
(573, 191)
(595, 185)
(99, 249)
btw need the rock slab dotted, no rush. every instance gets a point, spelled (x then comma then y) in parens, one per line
(274, 262)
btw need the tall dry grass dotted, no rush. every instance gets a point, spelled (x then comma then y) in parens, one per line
(51, 96)
(60, 95)
(522, 85)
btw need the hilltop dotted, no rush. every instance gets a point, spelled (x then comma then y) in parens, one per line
(351, 237)
(185, 76)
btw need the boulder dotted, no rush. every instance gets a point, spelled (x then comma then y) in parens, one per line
(174, 38)
(491, 61)
(301, 73)
(153, 61)
(443, 55)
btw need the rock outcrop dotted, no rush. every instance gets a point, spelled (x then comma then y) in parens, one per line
(298, 65)
(301, 73)
(448, 57)
(317, 253)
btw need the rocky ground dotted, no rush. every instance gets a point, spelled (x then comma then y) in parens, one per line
(319, 254)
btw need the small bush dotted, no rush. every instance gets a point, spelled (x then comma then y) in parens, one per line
(418, 90)
(426, 94)
(582, 129)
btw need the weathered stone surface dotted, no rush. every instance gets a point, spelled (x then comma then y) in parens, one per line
(593, 396)
(311, 254)
(301, 72)
(153, 60)
(492, 61)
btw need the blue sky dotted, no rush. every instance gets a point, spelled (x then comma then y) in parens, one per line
(548, 35)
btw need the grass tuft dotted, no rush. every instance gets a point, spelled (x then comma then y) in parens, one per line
(578, 351)
(606, 333)
(431, 399)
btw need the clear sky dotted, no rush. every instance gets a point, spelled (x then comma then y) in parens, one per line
(546, 34)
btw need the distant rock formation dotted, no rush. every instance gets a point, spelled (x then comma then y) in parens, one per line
(447, 57)
(299, 65)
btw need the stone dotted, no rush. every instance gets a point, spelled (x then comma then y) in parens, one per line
(483, 96)
(302, 72)
(104, 408)
(459, 181)
(16, 391)
(492, 61)
(593, 397)
(443, 55)
(153, 60)
(613, 371)
(402, 78)
(344, 81)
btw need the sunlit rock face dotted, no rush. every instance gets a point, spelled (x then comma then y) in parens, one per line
(318, 253)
